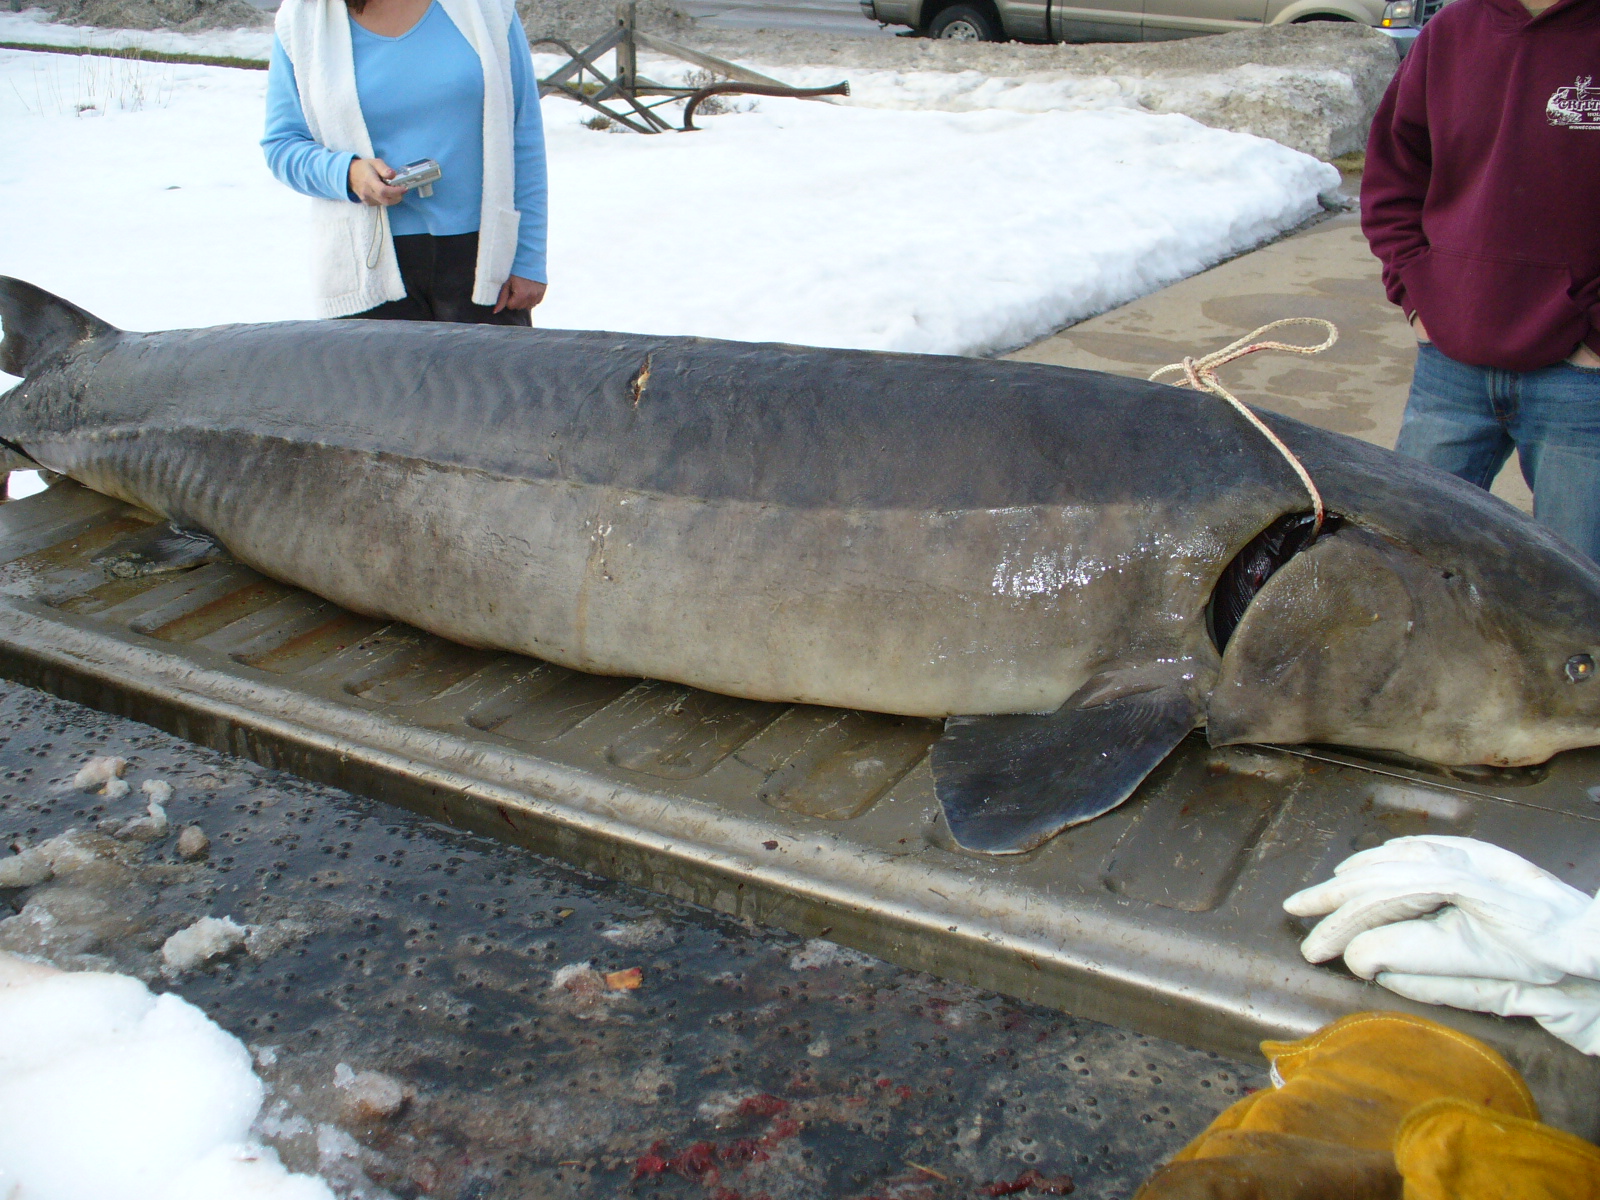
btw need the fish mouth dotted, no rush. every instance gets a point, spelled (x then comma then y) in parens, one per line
(1259, 560)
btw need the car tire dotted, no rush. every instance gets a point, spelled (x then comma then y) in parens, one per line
(964, 23)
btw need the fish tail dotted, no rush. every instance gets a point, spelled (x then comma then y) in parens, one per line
(39, 326)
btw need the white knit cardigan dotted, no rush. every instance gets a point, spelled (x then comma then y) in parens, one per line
(355, 265)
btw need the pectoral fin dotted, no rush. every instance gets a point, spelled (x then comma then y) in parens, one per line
(158, 550)
(1010, 783)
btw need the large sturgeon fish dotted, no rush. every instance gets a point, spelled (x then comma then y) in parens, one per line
(1075, 569)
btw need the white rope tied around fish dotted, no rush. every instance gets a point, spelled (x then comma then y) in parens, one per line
(1201, 374)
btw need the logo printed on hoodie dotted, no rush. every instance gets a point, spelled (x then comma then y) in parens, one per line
(1575, 107)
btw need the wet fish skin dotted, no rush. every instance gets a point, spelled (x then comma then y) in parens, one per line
(907, 534)
(891, 532)
(1481, 610)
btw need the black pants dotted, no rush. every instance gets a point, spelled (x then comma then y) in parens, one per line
(438, 274)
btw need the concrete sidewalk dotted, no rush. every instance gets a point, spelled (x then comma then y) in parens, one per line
(1358, 387)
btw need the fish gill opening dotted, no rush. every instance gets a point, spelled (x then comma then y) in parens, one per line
(1250, 569)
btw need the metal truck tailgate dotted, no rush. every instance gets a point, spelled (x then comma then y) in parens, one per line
(1164, 916)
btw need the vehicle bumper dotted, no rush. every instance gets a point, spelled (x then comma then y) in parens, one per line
(1403, 36)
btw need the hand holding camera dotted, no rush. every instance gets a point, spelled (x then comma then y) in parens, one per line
(376, 182)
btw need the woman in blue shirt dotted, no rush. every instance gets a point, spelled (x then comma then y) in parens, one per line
(358, 86)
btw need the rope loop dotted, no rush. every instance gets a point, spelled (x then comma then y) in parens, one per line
(1201, 374)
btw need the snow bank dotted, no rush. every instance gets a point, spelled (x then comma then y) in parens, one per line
(929, 232)
(1312, 86)
(108, 1092)
(1321, 111)
(934, 232)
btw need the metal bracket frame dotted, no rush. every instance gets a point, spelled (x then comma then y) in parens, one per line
(581, 78)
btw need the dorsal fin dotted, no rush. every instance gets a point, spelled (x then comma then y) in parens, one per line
(39, 326)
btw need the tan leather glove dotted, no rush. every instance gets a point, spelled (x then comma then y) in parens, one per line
(1327, 1131)
(1452, 1150)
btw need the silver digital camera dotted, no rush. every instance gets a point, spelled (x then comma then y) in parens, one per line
(420, 175)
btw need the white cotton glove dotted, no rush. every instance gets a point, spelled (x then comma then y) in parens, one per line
(1514, 920)
(1449, 920)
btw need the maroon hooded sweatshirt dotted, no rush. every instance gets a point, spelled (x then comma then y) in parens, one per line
(1481, 195)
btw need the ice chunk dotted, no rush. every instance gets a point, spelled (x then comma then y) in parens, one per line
(158, 790)
(116, 789)
(271, 936)
(38, 864)
(147, 828)
(99, 772)
(638, 933)
(369, 1094)
(205, 939)
(108, 1092)
(30, 867)
(817, 954)
(334, 1147)
(193, 842)
(70, 851)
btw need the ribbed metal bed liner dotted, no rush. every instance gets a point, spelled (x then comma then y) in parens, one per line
(1163, 916)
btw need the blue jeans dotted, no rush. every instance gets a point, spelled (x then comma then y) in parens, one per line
(1467, 420)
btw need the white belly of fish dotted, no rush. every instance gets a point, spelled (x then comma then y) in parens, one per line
(903, 611)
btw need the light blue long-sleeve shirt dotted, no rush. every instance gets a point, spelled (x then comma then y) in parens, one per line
(421, 96)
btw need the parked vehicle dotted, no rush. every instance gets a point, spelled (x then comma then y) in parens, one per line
(1137, 20)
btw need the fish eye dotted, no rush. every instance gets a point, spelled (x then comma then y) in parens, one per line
(1580, 667)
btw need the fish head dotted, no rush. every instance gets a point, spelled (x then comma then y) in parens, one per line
(1479, 647)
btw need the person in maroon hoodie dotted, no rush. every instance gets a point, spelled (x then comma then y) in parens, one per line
(1482, 200)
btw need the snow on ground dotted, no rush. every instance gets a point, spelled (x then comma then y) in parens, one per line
(34, 27)
(145, 199)
(108, 1092)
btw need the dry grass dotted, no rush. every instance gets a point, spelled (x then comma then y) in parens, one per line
(715, 106)
(99, 81)
(1353, 163)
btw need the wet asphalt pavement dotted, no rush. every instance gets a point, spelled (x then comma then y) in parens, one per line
(556, 1034)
